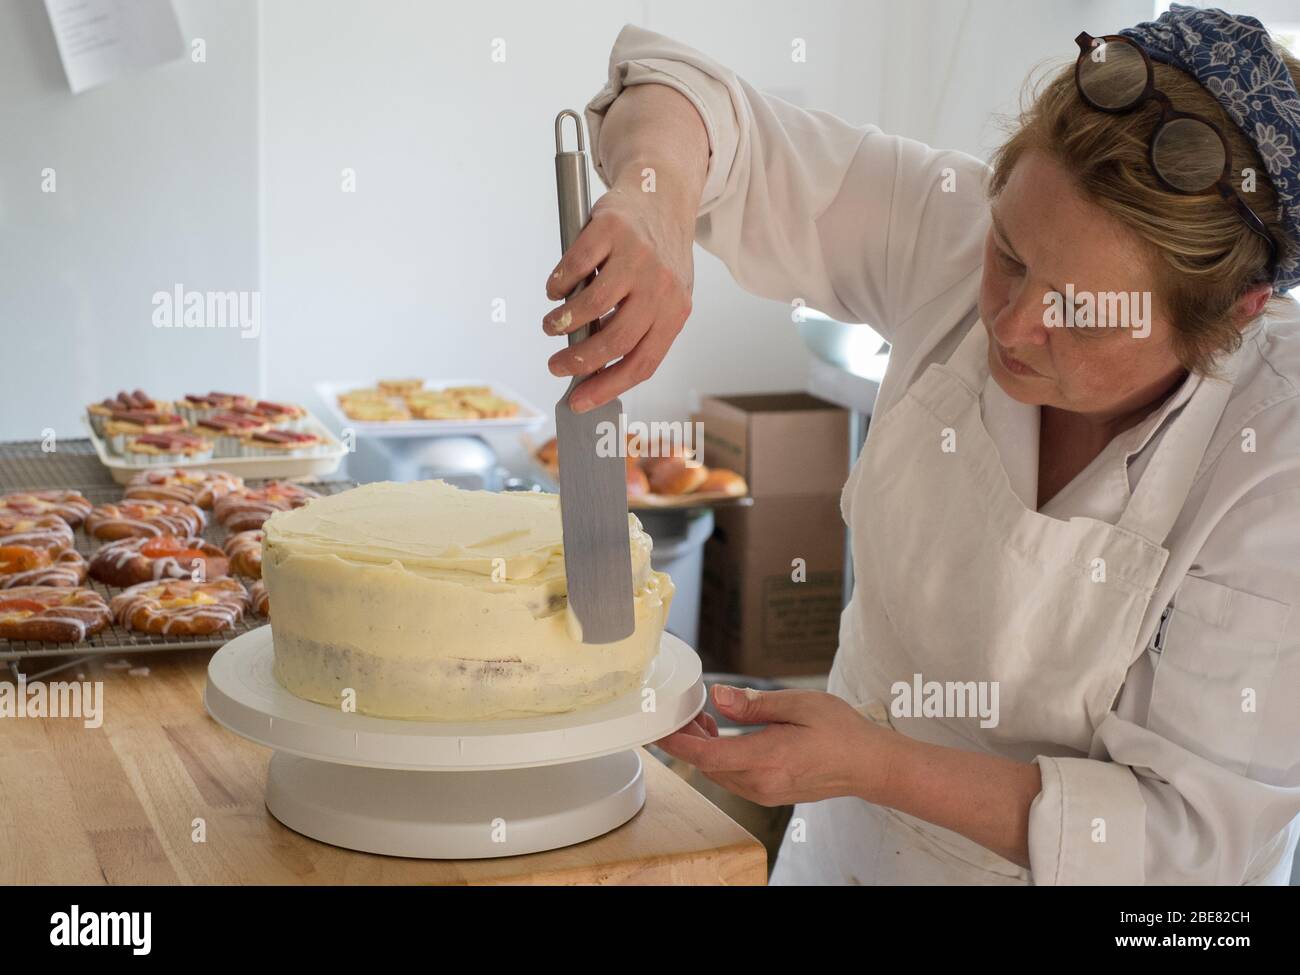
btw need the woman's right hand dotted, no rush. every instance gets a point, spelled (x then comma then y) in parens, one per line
(640, 238)
(641, 242)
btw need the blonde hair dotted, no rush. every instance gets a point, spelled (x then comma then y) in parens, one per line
(1203, 255)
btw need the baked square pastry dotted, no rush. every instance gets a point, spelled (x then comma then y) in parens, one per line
(48, 532)
(187, 485)
(438, 406)
(228, 429)
(244, 549)
(249, 507)
(278, 415)
(167, 448)
(281, 443)
(122, 402)
(123, 425)
(488, 406)
(369, 410)
(51, 614)
(132, 519)
(27, 565)
(195, 407)
(69, 505)
(400, 387)
(131, 560)
(181, 606)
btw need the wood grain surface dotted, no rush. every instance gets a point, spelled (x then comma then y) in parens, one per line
(118, 804)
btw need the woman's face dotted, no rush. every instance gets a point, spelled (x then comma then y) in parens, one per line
(1048, 244)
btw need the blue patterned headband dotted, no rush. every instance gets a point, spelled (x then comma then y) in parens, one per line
(1240, 65)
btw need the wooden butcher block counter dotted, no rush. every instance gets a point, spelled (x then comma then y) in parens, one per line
(118, 804)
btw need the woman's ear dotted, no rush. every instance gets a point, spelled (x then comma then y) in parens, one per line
(1250, 304)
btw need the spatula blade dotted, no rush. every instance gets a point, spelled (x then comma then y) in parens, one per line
(593, 508)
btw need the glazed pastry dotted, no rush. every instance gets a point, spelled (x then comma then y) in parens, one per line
(180, 606)
(196, 487)
(246, 509)
(123, 401)
(69, 505)
(722, 481)
(280, 443)
(133, 519)
(244, 550)
(50, 614)
(167, 448)
(259, 598)
(123, 425)
(27, 565)
(132, 560)
(49, 532)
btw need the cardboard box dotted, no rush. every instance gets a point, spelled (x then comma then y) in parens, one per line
(761, 612)
(783, 444)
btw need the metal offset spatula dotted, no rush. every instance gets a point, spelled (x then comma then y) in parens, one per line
(593, 489)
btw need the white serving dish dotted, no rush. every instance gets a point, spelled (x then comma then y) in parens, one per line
(326, 461)
(528, 418)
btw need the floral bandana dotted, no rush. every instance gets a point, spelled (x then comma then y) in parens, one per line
(1239, 64)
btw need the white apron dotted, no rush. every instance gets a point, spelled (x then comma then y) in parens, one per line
(957, 580)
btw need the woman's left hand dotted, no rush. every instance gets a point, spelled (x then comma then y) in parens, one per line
(815, 746)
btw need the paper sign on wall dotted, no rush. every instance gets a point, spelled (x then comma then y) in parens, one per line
(100, 40)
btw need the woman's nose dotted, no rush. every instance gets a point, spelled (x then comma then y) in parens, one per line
(1021, 321)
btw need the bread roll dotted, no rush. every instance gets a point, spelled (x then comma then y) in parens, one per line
(672, 475)
(722, 481)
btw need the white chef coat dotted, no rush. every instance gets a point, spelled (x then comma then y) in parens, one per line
(856, 223)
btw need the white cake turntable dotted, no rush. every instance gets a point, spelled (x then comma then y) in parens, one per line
(450, 790)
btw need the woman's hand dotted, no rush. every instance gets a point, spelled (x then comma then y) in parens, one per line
(815, 746)
(656, 150)
(641, 242)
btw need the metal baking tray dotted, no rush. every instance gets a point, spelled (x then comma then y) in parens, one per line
(74, 464)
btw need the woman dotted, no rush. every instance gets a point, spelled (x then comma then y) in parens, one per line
(1071, 654)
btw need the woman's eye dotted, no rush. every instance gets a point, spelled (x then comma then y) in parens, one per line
(1005, 261)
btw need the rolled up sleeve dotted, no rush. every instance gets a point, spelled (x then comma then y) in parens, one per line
(1087, 824)
(800, 204)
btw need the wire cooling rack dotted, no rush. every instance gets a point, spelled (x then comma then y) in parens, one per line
(24, 465)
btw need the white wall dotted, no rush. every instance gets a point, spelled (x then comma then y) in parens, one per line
(156, 184)
(455, 203)
(227, 176)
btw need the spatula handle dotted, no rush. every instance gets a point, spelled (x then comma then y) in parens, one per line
(574, 195)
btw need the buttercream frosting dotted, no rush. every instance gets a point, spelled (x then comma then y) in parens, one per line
(421, 600)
